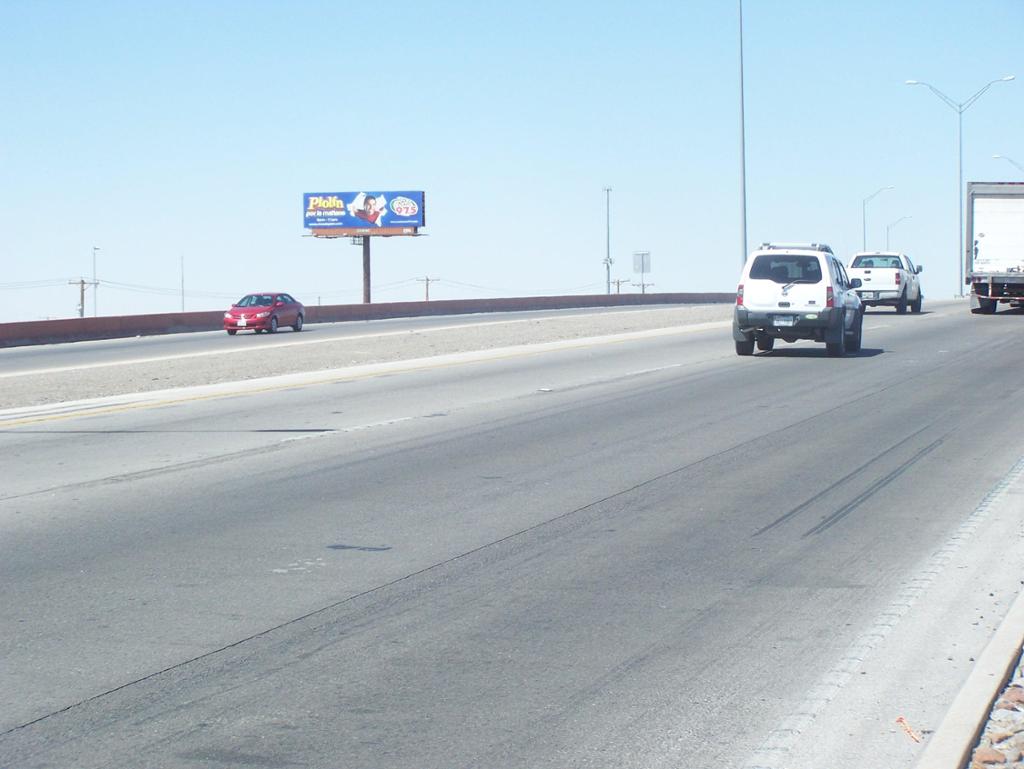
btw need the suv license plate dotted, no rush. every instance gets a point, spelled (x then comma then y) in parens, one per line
(783, 320)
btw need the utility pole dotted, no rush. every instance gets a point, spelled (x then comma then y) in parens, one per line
(643, 286)
(426, 281)
(182, 261)
(95, 283)
(608, 239)
(618, 284)
(81, 283)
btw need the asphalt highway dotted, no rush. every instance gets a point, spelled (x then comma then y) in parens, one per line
(644, 553)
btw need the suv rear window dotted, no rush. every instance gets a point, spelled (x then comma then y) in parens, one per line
(786, 268)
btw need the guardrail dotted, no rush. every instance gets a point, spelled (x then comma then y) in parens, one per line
(120, 326)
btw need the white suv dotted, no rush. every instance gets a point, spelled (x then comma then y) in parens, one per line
(796, 291)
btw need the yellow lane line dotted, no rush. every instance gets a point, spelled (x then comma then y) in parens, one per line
(24, 416)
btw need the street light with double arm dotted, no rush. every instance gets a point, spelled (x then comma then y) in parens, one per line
(864, 215)
(960, 108)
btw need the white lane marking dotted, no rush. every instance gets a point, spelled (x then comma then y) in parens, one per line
(305, 436)
(774, 752)
(643, 371)
(305, 342)
(299, 567)
(371, 425)
(352, 429)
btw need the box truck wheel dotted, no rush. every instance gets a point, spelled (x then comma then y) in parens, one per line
(985, 306)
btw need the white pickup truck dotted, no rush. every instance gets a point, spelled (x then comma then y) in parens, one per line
(887, 278)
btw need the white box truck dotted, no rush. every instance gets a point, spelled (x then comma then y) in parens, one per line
(995, 244)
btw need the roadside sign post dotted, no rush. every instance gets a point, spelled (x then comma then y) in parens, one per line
(642, 264)
(366, 269)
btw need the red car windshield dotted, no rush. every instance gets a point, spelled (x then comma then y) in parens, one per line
(255, 300)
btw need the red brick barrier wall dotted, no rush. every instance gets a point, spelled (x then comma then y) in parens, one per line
(114, 327)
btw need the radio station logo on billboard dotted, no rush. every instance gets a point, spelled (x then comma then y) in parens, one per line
(401, 208)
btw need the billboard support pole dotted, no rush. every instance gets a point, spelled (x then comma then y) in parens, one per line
(366, 269)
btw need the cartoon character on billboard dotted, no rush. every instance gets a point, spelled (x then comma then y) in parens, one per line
(369, 208)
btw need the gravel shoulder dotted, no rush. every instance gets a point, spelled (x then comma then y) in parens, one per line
(316, 351)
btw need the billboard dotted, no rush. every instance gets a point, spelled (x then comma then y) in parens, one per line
(371, 211)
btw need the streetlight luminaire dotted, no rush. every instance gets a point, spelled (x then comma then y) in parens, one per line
(1009, 160)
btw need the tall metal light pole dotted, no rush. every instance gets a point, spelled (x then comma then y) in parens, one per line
(608, 239)
(95, 283)
(960, 108)
(1011, 161)
(743, 149)
(864, 215)
(888, 229)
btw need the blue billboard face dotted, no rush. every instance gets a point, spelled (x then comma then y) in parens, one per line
(363, 209)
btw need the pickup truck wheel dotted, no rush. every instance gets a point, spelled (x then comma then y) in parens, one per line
(765, 343)
(854, 342)
(745, 348)
(915, 306)
(901, 307)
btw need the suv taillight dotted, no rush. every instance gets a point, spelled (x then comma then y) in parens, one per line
(897, 277)
(739, 295)
(830, 299)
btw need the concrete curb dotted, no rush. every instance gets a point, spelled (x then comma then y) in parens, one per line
(954, 741)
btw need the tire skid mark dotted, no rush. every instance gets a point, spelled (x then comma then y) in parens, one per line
(873, 489)
(829, 489)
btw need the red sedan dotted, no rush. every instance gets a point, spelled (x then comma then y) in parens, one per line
(264, 312)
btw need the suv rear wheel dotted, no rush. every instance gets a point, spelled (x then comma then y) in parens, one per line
(745, 348)
(765, 343)
(854, 341)
(838, 349)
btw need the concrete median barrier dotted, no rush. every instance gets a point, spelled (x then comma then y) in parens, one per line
(114, 327)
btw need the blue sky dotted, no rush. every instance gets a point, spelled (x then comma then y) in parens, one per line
(163, 132)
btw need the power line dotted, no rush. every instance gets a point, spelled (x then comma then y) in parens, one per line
(33, 284)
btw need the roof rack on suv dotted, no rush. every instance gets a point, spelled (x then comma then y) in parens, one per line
(793, 246)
